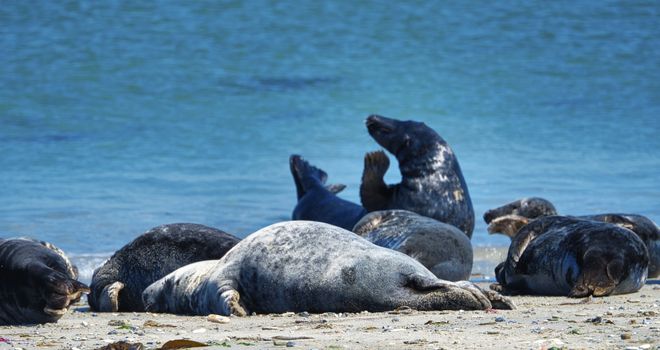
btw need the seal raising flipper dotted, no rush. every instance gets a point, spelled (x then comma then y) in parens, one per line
(432, 183)
(374, 192)
(315, 267)
(319, 202)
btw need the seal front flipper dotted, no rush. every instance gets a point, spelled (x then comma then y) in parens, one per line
(374, 192)
(109, 298)
(335, 188)
(231, 301)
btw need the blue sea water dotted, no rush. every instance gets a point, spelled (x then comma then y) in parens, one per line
(117, 116)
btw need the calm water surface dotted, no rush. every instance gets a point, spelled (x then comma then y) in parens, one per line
(119, 116)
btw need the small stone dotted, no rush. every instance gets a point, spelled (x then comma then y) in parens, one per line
(217, 318)
(500, 319)
(626, 336)
(85, 323)
(199, 330)
(303, 314)
(291, 344)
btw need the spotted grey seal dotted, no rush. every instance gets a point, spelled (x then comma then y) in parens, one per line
(557, 255)
(318, 201)
(310, 266)
(117, 285)
(442, 248)
(431, 184)
(38, 282)
(511, 217)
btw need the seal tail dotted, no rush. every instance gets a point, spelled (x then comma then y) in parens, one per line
(303, 172)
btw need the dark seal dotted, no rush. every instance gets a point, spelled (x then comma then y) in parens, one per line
(511, 217)
(442, 248)
(557, 255)
(318, 201)
(37, 282)
(118, 284)
(310, 266)
(431, 180)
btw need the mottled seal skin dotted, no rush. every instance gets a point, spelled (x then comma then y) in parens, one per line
(319, 202)
(442, 248)
(431, 184)
(510, 218)
(310, 266)
(37, 282)
(557, 255)
(118, 284)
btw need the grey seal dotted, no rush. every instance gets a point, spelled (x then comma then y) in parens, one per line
(511, 217)
(318, 201)
(38, 282)
(310, 266)
(442, 248)
(117, 285)
(557, 255)
(431, 184)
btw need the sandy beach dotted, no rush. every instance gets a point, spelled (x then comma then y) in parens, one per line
(618, 322)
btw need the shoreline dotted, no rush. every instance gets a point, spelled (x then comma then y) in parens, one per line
(629, 321)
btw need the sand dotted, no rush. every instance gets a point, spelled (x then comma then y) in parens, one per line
(618, 322)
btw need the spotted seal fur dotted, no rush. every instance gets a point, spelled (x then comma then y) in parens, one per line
(310, 266)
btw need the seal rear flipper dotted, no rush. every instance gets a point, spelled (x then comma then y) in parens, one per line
(108, 301)
(305, 175)
(59, 291)
(374, 192)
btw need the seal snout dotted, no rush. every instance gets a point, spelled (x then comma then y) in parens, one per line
(377, 123)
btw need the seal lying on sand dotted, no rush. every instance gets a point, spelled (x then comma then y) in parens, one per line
(118, 284)
(557, 255)
(442, 248)
(510, 218)
(310, 266)
(431, 180)
(318, 202)
(37, 282)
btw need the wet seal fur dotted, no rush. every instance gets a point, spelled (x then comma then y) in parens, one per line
(38, 282)
(118, 284)
(318, 201)
(442, 248)
(511, 217)
(557, 255)
(310, 266)
(432, 183)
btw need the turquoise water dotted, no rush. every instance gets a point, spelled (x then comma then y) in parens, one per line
(119, 116)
